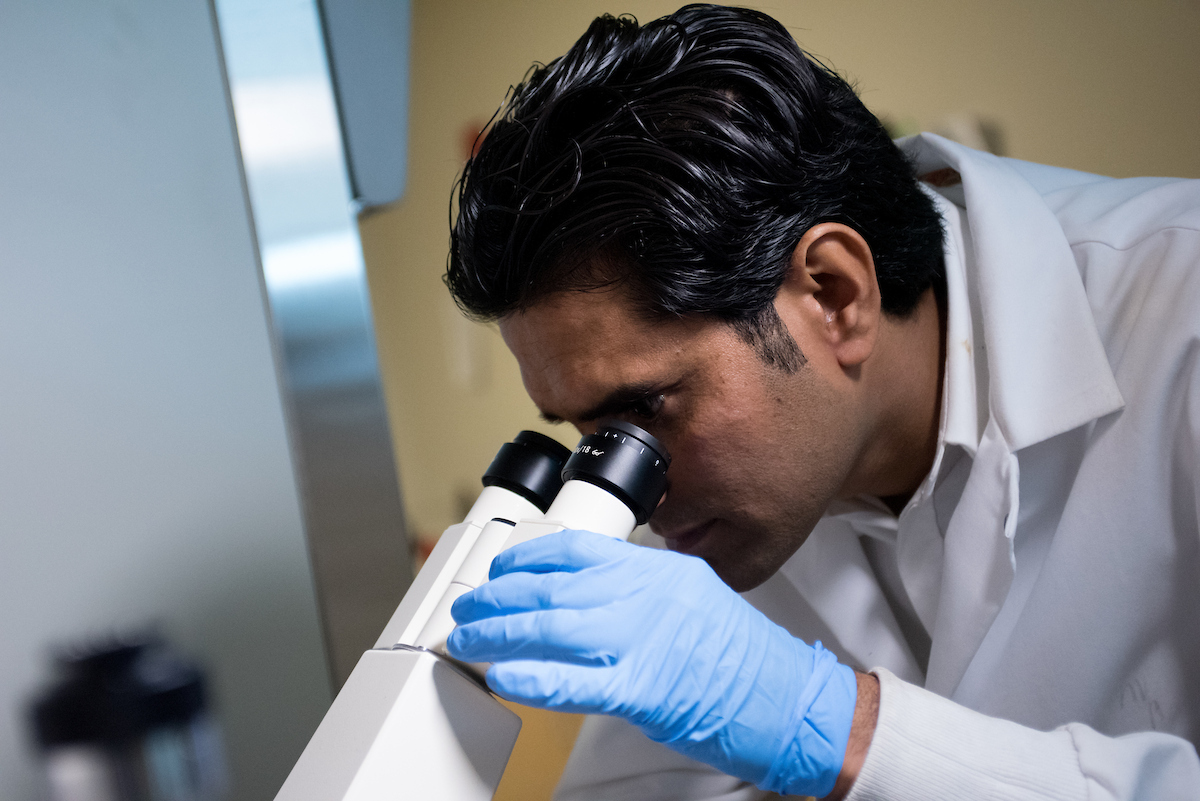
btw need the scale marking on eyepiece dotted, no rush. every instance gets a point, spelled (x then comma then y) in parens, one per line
(633, 467)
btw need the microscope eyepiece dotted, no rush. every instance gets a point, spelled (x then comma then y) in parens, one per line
(531, 466)
(624, 460)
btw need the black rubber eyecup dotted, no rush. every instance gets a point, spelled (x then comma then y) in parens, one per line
(531, 466)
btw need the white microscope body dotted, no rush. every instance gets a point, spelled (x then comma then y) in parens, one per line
(412, 723)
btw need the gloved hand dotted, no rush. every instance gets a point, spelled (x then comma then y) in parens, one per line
(580, 622)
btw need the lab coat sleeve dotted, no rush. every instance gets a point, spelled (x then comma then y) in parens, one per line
(926, 747)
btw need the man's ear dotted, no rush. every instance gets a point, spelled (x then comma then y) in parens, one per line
(832, 290)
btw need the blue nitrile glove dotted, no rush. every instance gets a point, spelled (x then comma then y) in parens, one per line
(580, 622)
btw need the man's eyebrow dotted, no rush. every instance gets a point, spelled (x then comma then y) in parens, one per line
(619, 400)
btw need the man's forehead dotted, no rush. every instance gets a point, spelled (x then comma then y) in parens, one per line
(575, 327)
(574, 348)
(576, 320)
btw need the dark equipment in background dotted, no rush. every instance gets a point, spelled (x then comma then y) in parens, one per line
(128, 722)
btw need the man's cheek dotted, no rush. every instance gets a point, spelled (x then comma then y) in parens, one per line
(685, 502)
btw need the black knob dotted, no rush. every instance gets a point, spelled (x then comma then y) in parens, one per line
(624, 460)
(114, 692)
(531, 466)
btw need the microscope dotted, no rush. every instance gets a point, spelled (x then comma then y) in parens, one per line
(411, 722)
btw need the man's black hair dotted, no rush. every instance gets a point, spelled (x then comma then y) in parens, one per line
(687, 156)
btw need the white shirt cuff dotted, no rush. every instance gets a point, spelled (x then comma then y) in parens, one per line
(927, 748)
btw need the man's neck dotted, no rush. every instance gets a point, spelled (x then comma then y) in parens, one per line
(905, 388)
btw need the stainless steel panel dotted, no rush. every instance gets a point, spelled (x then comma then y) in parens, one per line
(291, 144)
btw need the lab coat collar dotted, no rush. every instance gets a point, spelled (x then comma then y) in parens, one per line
(1047, 369)
(964, 378)
(1046, 373)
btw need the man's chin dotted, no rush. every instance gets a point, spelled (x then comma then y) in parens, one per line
(740, 559)
(740, 576)
(741, 564)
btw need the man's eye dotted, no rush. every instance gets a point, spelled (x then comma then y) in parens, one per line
(648, 408)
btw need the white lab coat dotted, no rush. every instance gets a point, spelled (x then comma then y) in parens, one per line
(1046, 576)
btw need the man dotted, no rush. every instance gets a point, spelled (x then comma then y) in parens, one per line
(973, 398)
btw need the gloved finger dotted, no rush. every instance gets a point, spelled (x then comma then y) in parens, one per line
(553, 685)
(528, 592)
(563, 635)
(565, 551)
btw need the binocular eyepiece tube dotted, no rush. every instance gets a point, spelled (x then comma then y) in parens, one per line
(609, 484)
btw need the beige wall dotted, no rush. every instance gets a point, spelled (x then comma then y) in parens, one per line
(1109, 87)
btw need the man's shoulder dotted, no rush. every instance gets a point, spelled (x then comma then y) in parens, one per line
(1136, 243)
(1121, 213)
(1114, 212)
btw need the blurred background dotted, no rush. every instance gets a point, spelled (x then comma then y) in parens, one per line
(237, 403)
